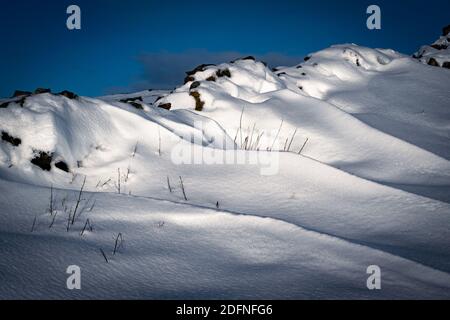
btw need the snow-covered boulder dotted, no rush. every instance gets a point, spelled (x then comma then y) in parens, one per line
(437, 54)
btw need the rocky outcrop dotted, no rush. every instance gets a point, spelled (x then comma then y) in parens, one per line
(438, 53)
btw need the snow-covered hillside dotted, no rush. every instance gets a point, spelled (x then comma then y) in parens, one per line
(244, 182)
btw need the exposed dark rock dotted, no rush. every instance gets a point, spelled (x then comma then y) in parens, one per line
(137, 105)
(274, 69)
(282, 74)
(303, 74)
(298, 67)
(357, 63)
(43, 160)
(21, 101)
(62, 166)
(68, 94)
(301, 88)
(128, 100)
(446, 65)
(19, 93)
(446, 30)
(10, 139)
(223, 73)
(212, 78)
(433, 62)
(439, 46)
(188, 79)
(42, 90)
(245, 58)
(166, 106)
(194, 85)
(199, 68)
(159, 98)
(306, 58)
(199, 104)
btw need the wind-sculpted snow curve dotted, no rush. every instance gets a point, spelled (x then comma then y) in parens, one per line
(372, 112)
(315, 171)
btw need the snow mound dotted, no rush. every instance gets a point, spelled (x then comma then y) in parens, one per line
(48, 132)
(326, 69)
(437, 54)
(348, 106)
(243, 79)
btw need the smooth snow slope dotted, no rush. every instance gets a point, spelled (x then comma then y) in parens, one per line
(179, 251)
(370, 187)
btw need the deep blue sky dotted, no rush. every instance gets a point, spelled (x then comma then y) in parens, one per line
(126, 45)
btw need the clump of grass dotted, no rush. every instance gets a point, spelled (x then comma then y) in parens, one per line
(101, 185)
(189, 79)
(166, 106)
(118, 243)
(69, 219)
(276, 137)
(52, 201)
(303, 146)
(240, 126)
(128, 173)
(104, 255)
(10, 139)
(199, 104)
(168, 184)
(53, 220)
(292, 139)
(252, 141)
(135, 150)
(42, 159)
(87, 226)
(34, 223)
(182, 189)
(118, 185)
(223, 73)
(78, 201)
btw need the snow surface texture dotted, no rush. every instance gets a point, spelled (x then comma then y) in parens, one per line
(362, 140)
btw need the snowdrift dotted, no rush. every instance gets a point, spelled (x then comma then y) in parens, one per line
(47, 136)
(366, 111)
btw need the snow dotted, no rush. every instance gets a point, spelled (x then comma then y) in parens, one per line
(196, 253)
(371, 185)
(439, 51)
